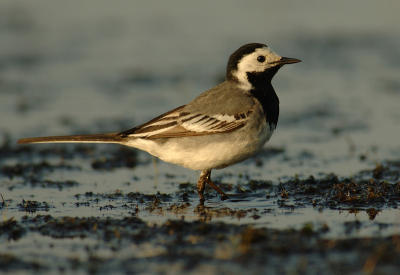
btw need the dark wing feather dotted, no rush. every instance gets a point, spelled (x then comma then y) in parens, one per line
(177, 123)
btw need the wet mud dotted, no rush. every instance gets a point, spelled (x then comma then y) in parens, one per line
(155, 232)
(135, 246)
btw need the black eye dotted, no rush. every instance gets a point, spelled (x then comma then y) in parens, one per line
(261, 58)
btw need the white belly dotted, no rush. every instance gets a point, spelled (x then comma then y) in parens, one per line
(208, 152)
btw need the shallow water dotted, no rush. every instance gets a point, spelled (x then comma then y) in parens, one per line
(74, 68)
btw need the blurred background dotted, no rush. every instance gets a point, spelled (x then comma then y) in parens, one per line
(72, 67)
(103, 66)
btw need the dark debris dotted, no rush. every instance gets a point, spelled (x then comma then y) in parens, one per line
(376, 188)
(198, 242)
(33, 206)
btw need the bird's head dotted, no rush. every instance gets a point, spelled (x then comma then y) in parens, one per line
(253, 64)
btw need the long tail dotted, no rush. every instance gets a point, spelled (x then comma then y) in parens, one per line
(98, 138)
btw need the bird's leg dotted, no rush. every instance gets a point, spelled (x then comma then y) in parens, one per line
(205, 177)
(201, 184)
(214, 186)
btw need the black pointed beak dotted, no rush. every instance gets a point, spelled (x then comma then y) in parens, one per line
(286, 60)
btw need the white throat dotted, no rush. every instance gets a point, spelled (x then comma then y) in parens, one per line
(249, 64)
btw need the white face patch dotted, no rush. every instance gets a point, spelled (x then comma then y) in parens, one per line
(249, 63)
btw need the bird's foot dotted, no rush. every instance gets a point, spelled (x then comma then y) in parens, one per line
(216, 188)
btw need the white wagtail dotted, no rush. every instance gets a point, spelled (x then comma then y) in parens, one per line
(222, 126)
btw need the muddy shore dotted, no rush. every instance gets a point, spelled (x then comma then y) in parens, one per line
(171, 232)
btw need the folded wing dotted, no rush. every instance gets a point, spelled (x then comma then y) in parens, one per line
(180, 123)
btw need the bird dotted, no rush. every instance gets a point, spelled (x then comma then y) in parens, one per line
(222, 126)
